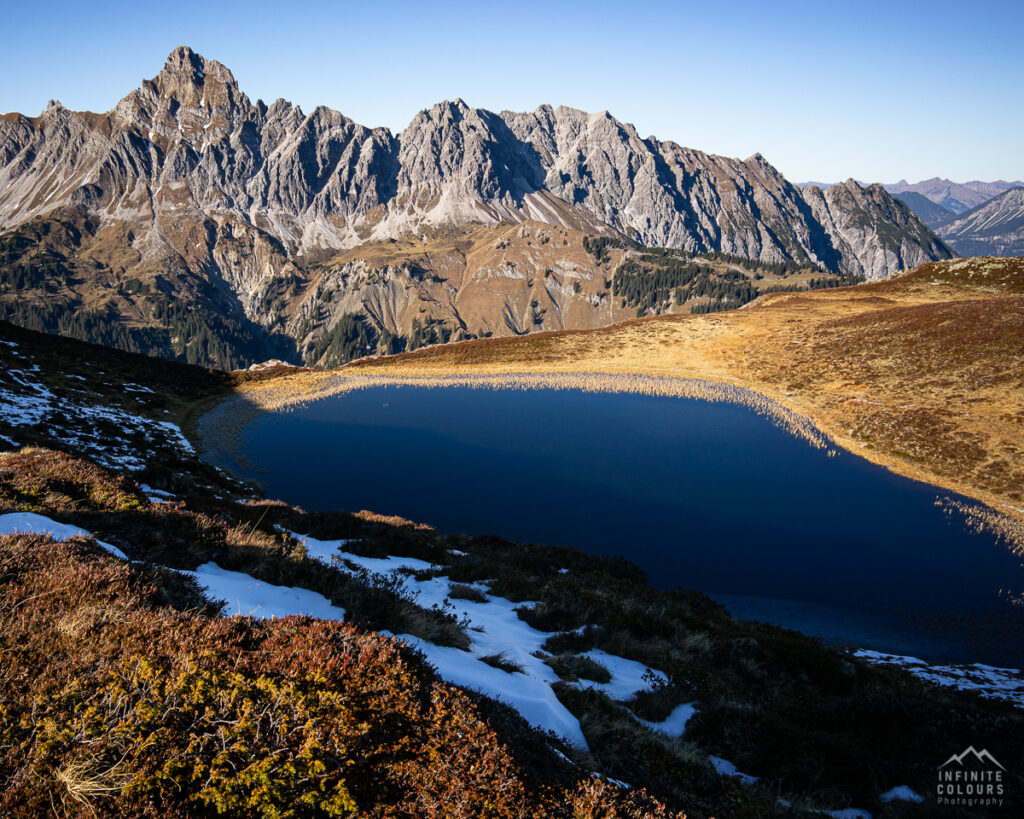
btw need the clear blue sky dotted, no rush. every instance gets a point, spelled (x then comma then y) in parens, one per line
(826, 91)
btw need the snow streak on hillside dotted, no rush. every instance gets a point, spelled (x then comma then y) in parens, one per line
(107, 434)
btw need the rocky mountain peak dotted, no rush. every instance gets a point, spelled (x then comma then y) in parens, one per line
(189, 145)
(191, 80)
(183, 64)
(874, 233)
(447, 111)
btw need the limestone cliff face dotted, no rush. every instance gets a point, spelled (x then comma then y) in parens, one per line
(662, 194)
(190, 143)
(874, 233)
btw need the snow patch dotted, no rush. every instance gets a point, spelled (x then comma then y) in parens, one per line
(27, 402)
(155, 495)
(528, 692)
(988, 681)
(495, 628)
(725, 768)
(674, 725)
(901, 793)
(245, 595)
(29, 523)
(24, 410)
(628, 676)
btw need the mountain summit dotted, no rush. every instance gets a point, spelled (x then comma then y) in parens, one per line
(320, 180)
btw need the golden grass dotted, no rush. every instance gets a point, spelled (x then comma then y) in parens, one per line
(89, 777)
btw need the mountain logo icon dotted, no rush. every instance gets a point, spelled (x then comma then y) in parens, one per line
(982, 757)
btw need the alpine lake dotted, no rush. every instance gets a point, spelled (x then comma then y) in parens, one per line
(705, 495)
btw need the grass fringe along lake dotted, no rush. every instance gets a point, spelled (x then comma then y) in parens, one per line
(980, 518)
(221, 430)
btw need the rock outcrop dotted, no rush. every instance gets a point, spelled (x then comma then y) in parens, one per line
(873, 233)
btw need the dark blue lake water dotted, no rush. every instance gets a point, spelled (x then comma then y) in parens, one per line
(707, 496)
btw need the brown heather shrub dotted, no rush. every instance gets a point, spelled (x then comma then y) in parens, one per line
(165, 712)
(76, 491)
(463, 591)
(47, 481)
(591, 801)
(503, 662)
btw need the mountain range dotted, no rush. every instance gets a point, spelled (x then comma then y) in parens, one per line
(191, 222)
(955, 197)
(994, 228)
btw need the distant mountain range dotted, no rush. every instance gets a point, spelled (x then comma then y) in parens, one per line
(956, 197)
(994, 228)
(931, 213)
(973, 218)
(195, 223)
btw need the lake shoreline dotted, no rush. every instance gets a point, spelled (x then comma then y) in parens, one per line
(218, 430)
